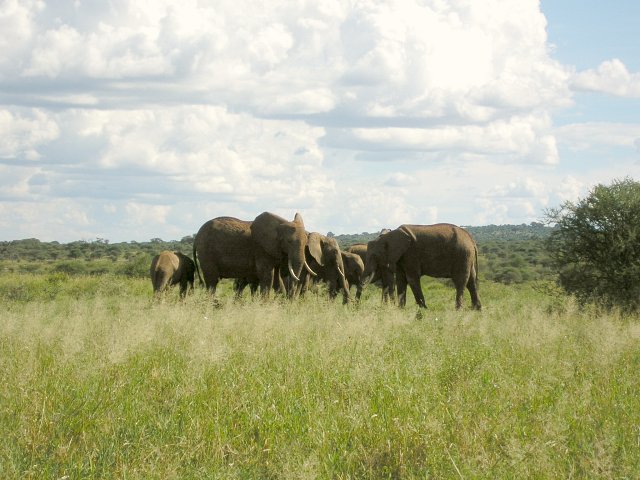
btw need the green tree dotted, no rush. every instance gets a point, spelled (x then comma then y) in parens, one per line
(595, 247)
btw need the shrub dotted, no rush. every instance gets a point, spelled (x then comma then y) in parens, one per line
(136, 267)
(595, 247)
(71, 267)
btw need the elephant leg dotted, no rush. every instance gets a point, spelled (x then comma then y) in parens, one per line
(333, 289)
(401, 283)
(344, 286)
(184, 285)
(238, 286)
(413, 279)
(459, 293)
(346, 297)
(213, 285)
(358, 291)
(211, 276)
(278, 284)
(265, 274)
(472, 286)
(388, 286)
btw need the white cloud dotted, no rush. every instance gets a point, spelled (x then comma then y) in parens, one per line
(179, 113)
(395, 58)
(526, 138)
(401, 180)
(56, 219)
(24, 132)
(17, 26)
(611, 77)
(582, 136)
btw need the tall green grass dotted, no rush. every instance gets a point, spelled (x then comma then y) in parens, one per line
(100, 381)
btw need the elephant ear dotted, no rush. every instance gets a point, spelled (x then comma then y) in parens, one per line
(397, 242)
(266, 231)
(314, 244)
(298, 219)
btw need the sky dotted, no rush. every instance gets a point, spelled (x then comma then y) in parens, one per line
(137, 119)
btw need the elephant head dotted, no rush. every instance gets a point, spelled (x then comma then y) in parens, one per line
(326, 252)
(384, 252)
(277, 239)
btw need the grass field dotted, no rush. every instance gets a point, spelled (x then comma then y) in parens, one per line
(99, 381)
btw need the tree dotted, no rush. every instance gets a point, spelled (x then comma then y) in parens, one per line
(595, 246)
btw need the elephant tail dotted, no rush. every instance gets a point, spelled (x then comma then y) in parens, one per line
(476, 266)
(195, 262)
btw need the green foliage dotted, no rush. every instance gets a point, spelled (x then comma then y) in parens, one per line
(100, 381)
(137, 266)
(595, 246)
(514, 261)
(79, 258)
(508, 254)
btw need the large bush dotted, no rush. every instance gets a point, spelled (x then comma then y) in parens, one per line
(595, 246)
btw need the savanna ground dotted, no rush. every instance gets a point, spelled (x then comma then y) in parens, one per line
(99, 381)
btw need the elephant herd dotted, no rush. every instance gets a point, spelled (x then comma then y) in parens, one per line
(272, 253)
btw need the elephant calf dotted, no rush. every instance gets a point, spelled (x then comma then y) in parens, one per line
(383, 278)
(170, 268)
(324, 257)
(353, 271)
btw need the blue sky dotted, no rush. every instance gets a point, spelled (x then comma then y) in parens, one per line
(127, 120)
(588, 32)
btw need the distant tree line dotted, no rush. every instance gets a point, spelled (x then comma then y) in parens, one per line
(592, 250)
(508, 254)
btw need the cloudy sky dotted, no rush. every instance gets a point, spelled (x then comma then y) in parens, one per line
(135, 119)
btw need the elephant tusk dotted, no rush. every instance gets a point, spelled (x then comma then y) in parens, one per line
(341, 272)
(291, 271)
(366, 279)
(306, 265)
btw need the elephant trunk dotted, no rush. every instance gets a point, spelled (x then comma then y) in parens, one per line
(369, 273)
(295, 260)
(345, 286)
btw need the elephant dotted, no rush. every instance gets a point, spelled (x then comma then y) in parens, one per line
(170, 268)
(359, 249)
(383, 277)
(278, 242)
(442, 250)
(223, 249)
(325, 258)
(226, 247)
(353, 271)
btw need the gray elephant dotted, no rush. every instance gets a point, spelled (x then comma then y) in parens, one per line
(325, 258)
(384, 278)
(226, 247)
(359, 249)
(171, 268)
(278, 242)
(442, 250)
(353, 271)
